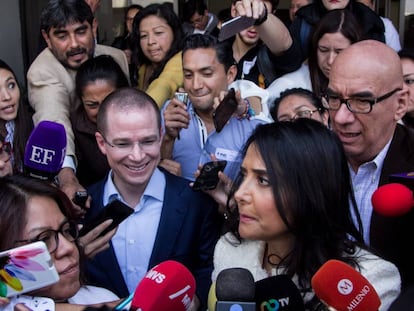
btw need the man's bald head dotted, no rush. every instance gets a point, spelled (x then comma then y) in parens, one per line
(368, 72)
(370, 57)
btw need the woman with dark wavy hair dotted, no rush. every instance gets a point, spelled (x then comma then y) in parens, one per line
(157, 34)
(293, 209)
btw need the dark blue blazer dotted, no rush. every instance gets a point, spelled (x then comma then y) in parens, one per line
(188, 231)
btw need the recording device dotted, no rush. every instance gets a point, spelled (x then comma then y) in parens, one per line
(278, 293)
(115, 210)
(340, 286)
(406, 179)
(26, 268)
(235, 290)
(225, 110)
(392, 200)
(167, 286)
(45, 151)
(182, 97)
(234, 26)
(208, 178)
(80, 198)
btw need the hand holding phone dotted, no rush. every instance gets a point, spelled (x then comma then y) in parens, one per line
(225, 110)
(80, 199)
(182, 97)
(115, 210)
(208, 178)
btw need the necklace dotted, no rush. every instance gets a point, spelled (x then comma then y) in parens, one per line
(272, 258)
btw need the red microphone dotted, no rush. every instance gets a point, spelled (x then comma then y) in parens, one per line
(167, 286)
(392, 200)
(342, 287)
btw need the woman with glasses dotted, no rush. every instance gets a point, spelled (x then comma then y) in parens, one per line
(32, 210)
(15, 116)
(299, 103)
(289, 212)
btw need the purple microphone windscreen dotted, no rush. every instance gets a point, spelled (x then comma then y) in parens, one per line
(45, 150)
(278, 293)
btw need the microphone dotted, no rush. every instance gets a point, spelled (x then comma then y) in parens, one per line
(406, 179)
(212, 298)
(167, 286)
(278, 293)
(392, 200)
(45, 151)
(235, 290)
(342, 287)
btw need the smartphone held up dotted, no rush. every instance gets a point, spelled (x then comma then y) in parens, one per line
(225, 110)
(182, 97)
(208, 178)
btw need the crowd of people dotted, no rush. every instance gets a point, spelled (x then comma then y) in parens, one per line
(322, 112)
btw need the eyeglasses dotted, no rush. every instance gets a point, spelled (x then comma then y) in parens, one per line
(356, 104)
(5, 151)
(69, 230)
(126, 146)
(300, 114)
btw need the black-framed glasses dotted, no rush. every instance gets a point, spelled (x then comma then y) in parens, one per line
(5, 151)
(307, 113)
(69, 230)
(355, 104)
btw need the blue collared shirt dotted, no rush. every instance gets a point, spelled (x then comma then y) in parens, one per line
(135, 237)
(365, 182)
(195, 146)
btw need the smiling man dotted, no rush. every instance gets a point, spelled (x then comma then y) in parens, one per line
(68, 29)
(366, 98)
(170, 220)
(190, 134)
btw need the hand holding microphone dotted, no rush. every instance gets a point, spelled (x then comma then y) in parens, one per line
(167, 286)
(45, 151)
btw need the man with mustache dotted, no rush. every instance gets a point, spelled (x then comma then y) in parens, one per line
(68, 28)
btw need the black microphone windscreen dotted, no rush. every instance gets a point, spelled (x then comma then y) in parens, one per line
(235, 284)
(278, 293)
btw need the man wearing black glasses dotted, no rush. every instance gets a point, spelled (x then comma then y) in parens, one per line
(366, 98)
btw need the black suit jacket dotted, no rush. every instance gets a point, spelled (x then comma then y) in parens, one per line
(393, 237)
(187, 232)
